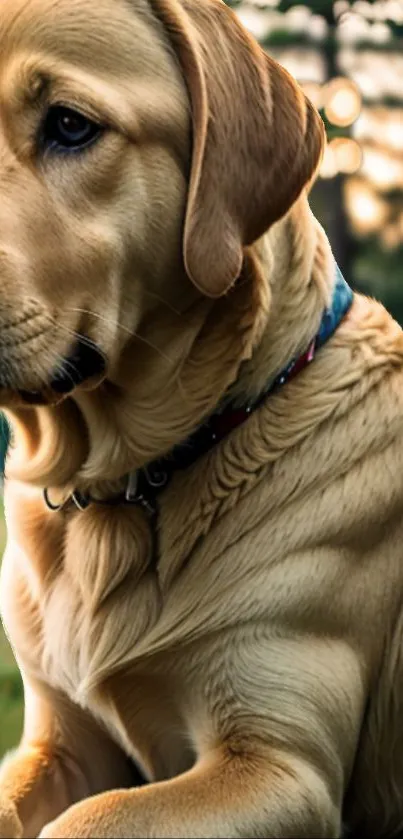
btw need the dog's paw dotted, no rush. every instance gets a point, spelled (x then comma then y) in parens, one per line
(99, 817)
(10, 825)
(62, 828)
(47, 832)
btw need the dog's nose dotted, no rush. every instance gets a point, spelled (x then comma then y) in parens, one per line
(85, 361)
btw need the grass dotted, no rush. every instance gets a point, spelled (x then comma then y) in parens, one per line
(11, 701)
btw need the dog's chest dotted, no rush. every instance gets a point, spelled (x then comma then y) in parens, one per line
(103, 600)
(112, 607)
(142, 711)
(93, 659)
(83, 645)
(115, 599)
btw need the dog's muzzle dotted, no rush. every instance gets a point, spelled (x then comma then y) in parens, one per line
(85, 362)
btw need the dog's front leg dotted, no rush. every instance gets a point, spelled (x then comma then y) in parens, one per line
(34, 786)
(224, 795)
(63, 758)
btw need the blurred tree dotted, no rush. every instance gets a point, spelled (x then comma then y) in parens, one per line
(362, 207)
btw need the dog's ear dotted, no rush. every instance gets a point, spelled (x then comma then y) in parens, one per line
(257, 140)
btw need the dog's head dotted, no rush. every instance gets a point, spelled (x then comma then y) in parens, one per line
(143, 145)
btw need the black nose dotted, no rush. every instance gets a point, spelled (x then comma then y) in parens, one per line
(86, 360)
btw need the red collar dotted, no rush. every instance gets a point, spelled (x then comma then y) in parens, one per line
(222, 424)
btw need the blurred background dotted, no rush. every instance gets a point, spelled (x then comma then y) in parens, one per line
(348, 57)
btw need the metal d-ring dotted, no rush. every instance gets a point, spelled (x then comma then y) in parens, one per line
(134, 496)
(131, 492)
(54, 508)
(156, 479)
(81, 501)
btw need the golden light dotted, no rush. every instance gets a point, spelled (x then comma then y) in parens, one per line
(297, 18)
(394, 132)
(377, 73)
(328, 167)
(304, 63)
(362, 7)
(366, 210)
(342, 155)
(369, 123)
(384, 170)
(340, 7)
(343, 101)
(318, 28)
(380, 33)
(352, 28)
(394, 10)
(313, 91)
(391, 236)
(381, 125)
(255, 21)
(347, 155)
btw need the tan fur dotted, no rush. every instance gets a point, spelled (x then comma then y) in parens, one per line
(253, 665)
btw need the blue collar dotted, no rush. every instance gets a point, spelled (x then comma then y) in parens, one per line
(341, 303)
(342, 300)
(144, 486)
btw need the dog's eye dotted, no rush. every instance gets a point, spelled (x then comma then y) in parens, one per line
(68, 130)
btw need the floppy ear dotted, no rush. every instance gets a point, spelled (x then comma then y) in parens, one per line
(257, 140)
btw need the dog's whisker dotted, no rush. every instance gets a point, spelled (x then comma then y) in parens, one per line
(64, 370)
(113, 323)
(130, 332)
(153, 347)
(77, 336)
(162, 300)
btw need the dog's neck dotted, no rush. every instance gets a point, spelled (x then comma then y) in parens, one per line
(298, 267)
(227, 349)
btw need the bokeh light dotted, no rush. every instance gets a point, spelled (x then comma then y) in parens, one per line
(367, 211)
(382, 168)
(342, 100)
(348, 155)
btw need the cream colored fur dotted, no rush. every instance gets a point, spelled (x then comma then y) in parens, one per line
(253, 666)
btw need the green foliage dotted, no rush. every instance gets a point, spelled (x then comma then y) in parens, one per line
(378, 273)
(11, 708)
(367, 265)
(318, 7)
(11, 694)
(4, 441)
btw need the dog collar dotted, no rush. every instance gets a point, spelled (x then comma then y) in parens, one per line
(144, 485)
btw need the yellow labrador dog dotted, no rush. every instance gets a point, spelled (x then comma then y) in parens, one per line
(204, 571)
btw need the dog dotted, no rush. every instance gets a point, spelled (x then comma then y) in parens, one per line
(203, 577)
